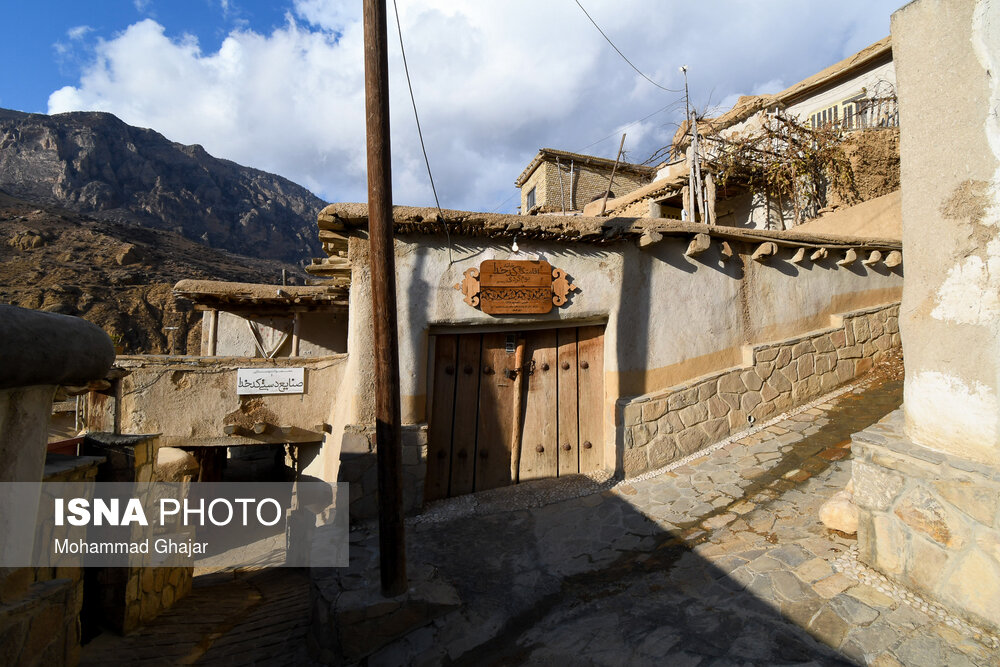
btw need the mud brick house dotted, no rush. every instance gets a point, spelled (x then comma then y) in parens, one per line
(603, 346)
(557, 181)
(855, 95)
(265, 331)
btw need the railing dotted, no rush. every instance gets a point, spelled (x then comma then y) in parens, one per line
(874, 112)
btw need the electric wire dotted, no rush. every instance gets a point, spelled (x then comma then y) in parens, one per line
(669, 90)
(420, 134)
(594, 143)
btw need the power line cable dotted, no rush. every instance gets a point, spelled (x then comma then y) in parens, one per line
(669, 90)
(420, 134)
(613, 134)
(635, 122)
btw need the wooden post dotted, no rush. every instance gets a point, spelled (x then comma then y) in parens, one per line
(392, 545)
(691, 188)
(710, 195)
(611, 182)
(562, 194)
(698, 185)
(213, 326)
(515, 445)
(296, 329)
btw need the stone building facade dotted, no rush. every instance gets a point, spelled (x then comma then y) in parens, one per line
(556, 180)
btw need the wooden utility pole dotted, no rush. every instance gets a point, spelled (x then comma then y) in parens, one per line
(391, 537)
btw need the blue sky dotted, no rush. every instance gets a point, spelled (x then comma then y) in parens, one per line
(36, 38)
(279, 85)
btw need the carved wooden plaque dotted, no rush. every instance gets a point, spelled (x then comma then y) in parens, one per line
(515, 287)
(511, 287)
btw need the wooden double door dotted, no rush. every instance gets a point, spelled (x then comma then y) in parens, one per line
(513, 406)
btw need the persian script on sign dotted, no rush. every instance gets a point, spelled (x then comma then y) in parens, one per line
(270, 381)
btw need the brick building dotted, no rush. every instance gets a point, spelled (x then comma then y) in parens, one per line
(556, 179)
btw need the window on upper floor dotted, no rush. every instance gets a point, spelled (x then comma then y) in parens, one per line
(529, 200)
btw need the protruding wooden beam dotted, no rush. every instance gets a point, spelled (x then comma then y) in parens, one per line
(726, 250)
(260, 428)
(235, 430)
(799, 256)
(894, 259)
(699, 244)
(94, 385)
(764, 250)
(849, 257)
(286, 430)
(649, 237)
(818, 255)
(323, 428)
(874, 258)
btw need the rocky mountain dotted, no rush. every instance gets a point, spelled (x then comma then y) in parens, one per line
(119, 276)
(95, 164)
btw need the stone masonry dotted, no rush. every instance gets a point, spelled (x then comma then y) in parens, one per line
(929, 520)
(661, 427)
(43, 627)
(129, 597)
(358, 469)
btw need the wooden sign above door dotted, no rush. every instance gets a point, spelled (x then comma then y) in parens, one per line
(515, 287)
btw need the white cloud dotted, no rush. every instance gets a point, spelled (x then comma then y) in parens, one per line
(493, 81)
(78, 32)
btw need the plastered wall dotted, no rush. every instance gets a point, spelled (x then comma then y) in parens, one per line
(950, 171)
(189, 400)
(669, 318)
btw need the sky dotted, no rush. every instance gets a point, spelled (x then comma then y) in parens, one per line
(279, 84)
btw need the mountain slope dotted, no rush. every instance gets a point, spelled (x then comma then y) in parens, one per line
(93, 163)
(118, 276)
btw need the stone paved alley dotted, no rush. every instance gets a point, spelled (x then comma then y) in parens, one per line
(720, 560)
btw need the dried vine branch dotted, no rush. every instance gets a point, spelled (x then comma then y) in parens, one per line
(787, 161)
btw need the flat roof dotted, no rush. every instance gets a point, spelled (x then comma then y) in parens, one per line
(590, 160)
(353, 217)
(215, 292)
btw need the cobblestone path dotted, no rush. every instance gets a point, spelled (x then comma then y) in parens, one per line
(720, 560)
(255, 619)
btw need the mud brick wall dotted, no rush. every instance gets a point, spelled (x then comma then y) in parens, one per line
(668, 425)
(929, 520)
(358, 469)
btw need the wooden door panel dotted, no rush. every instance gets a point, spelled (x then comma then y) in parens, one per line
(539, 445)
(497, 397)
(568, 434)
(441, 418)
(463, 448)
(590, 351)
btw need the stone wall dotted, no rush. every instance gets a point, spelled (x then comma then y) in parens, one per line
(127, 597)
(929, 520)
(40, 606)
(667, 425)
(358, 469)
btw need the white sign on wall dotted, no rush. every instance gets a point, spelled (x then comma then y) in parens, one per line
(270, 381)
